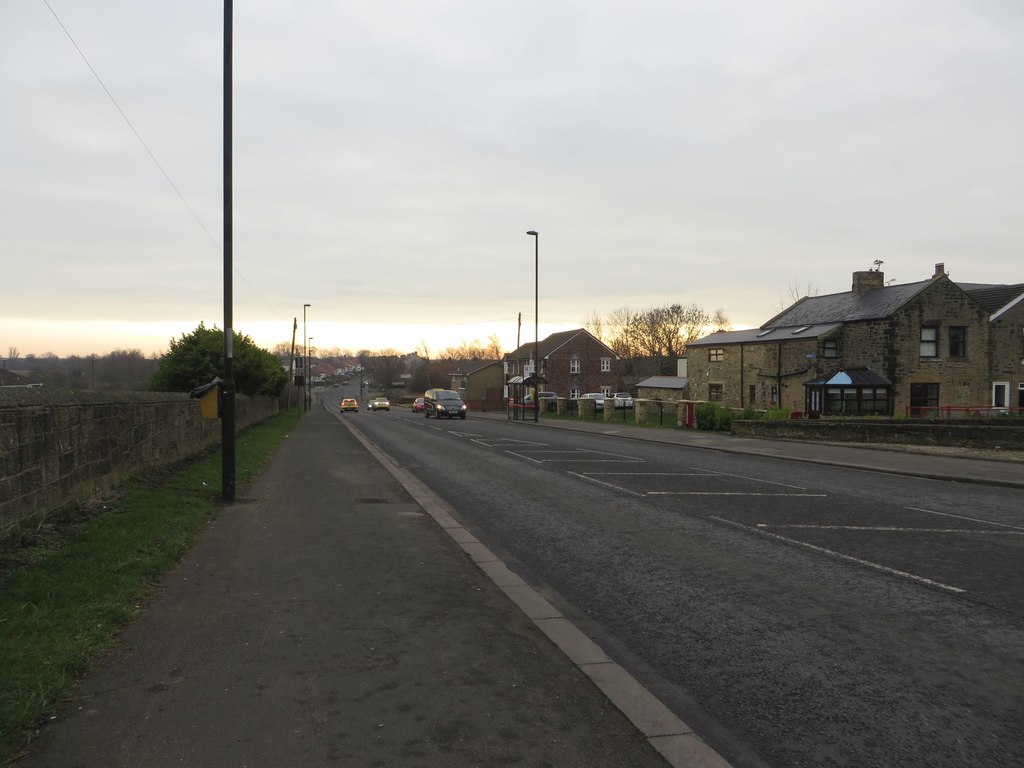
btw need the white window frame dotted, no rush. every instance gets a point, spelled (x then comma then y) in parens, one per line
(1005, 387)
(574, 393)
(574, 365)
(929, 341)
(606, 365)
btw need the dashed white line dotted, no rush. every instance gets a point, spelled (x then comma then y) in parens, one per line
(737, 493)
(841, 556)
(964, 517)
(892, 529)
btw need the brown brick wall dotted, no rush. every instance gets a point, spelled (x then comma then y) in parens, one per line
(60, 448)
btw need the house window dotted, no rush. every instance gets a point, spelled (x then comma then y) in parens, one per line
(606, 391)
(715, 393)
(716, 355)
(752, 390)
(958, 341)
(1000, 394)
(929, 341)
(574, 365)
(923, 397)
(606, 364)
(574, 393)
(857, 401)
(830, 348)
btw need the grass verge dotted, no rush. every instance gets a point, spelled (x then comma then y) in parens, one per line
(64, 607)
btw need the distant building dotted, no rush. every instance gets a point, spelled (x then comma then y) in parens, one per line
(571, 362)
(480, 383)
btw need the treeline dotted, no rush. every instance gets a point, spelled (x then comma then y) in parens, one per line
(122, 369)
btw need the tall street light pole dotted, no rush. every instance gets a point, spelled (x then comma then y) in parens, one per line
(305, 358)
(536, 322)
(227, 415)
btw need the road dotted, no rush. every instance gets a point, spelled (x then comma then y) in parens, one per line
(793, 614)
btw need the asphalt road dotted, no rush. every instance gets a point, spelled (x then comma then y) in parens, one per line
(793, 614)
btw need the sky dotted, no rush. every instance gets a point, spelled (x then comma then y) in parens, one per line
(389, 158)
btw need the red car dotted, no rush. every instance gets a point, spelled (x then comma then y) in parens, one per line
(419, 405)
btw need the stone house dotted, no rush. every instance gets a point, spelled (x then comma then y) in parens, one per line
(572, 362)
(875, 350)
(480, 383)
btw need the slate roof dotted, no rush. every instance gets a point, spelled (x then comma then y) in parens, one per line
(764, 334)
(857, 377)
(814, 316)
(465, 367)
(551, 344)
(665, 382)
(873, 304)
(994, 297)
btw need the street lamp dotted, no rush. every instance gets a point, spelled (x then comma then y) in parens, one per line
(305, 358)
(536, 322)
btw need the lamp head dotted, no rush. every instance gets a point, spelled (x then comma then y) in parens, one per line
(532, 233)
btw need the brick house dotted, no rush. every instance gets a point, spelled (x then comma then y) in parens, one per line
(877, 349)
(572, 362)
(480, 383)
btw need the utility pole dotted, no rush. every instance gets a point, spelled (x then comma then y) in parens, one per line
(227, 415)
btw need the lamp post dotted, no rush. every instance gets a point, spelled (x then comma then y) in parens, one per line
(227, 402)
(536, 321)
(305, 358)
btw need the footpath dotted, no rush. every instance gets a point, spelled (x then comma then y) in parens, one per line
(338, 615)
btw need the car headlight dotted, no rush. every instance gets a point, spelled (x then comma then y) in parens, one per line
(463, 407)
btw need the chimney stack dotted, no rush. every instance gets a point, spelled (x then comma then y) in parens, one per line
(867, 281)
(940, 270)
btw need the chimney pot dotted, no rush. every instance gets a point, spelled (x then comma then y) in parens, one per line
(940, 270)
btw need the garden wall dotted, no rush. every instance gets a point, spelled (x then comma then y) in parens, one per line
(59, 448)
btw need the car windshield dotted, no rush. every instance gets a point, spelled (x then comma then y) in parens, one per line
(448, 396)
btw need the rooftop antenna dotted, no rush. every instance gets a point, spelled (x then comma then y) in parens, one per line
(878, 264)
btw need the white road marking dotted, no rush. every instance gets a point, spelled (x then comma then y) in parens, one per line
(892, 529)
(604, 484)
(964, 517)
(755, 479)
(841, 556)
(736, 493)
(575, 457)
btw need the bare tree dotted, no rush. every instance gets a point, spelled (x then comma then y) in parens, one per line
(796, 291)
(595, 325)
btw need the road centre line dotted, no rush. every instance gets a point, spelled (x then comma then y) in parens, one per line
(841, 556)
(604, 484)
(653, 474)
(892, 529)
(964, 517)
(755, 479)
(736, 493)
(503, 442)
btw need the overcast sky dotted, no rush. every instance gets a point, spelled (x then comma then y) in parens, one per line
(390, 156)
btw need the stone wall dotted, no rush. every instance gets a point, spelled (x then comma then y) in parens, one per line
(60, 448)
(967, 434)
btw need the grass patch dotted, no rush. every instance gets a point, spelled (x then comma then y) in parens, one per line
(73, 587)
